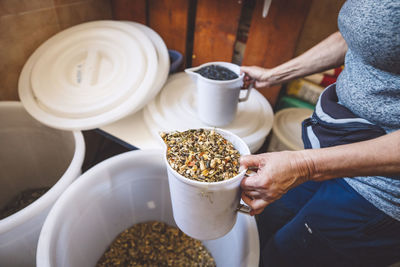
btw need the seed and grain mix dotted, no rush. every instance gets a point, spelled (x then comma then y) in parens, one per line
(202, 155)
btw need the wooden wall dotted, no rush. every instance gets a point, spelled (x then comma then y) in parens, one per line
(321, 21)
(272, 40)
(24, 25)
(206, 30)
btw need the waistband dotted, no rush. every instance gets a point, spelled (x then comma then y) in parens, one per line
(333, 124)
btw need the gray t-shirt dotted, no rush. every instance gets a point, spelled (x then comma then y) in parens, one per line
(369, 85)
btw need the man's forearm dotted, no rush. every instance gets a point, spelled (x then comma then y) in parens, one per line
(327, 54)
(379, 156)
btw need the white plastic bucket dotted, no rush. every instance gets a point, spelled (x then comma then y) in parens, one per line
(286, 130)
(112, 196)
(32, 156)
(206, 210)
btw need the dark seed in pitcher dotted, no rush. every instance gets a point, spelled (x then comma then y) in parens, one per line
(155, 244)
(202, 155)
(215, 72)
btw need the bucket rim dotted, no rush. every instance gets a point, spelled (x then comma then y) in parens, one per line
(279, 132)
(47, 238)
(50, 197)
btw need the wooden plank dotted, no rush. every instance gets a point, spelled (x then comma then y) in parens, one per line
(215, 30)
(169, 19)
(319, 24)
(272, 40)
(129, 10)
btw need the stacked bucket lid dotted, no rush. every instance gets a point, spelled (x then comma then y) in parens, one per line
(93, 74)
(96, 73)
(175, 109)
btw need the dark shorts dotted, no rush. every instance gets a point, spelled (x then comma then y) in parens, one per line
(327, 224)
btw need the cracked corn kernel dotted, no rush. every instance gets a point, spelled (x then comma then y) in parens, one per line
(201, 155)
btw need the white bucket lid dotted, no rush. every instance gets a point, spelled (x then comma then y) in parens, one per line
(174, 109)
(163, 61)
(93, 74)
(287, 126)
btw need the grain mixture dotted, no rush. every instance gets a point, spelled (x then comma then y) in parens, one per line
(202, 155)
(21, 200)
(155, 244)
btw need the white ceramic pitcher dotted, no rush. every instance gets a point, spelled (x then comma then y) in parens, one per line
(217, 100)
(207, 210)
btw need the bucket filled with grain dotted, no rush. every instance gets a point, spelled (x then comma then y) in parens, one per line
(119, 213)
(204, 179)
(37, 164)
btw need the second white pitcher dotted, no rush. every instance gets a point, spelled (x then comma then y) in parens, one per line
(217, 100)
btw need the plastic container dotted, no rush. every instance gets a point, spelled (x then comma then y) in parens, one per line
(115, 194)
(286, 130)
(176, 59)
(32, 156)
(105, 71)
(217, 100)
(206, 210)
(292, 102)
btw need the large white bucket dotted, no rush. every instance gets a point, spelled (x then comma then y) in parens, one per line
(32, 156)
(115, 194)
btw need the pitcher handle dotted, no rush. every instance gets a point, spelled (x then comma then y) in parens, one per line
(243, 208)
(247, 94)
